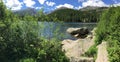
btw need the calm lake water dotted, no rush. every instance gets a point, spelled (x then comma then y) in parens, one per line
(58, 30)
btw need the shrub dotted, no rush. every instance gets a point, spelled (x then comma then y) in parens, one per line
(109, 29)
(51, 52)
(20, 42)
(92, 52)
(27, 60)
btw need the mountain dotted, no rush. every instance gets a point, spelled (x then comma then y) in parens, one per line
(28, 11)
(93, 8)
(60, 9)
(86, 14)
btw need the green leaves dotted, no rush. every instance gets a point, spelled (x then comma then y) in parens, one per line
(109, 29)
(20, 41)
(51, 52)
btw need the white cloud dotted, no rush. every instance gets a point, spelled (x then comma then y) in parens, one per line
(79, 7)
(13, 4)
(98, 3)
(38, 7)
(115, 5)
(41, 1)
(65, 5)
(29, 3)
(50, 3)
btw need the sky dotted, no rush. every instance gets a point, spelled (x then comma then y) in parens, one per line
(50, 5)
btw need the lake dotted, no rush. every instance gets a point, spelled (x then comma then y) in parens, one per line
(57, 30)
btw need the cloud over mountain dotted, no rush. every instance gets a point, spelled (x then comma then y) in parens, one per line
(13, 4)
(65, 5)
(29, 3)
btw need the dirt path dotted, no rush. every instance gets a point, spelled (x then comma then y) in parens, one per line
(102, 53)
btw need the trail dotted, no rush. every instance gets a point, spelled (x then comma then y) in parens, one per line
(102, 53)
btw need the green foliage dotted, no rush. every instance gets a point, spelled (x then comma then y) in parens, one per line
(27, 60)
(92, 52)
(51, 52)
(20, 42)
(114, 51)
(71, 15)
(108, 29)
(101, 28)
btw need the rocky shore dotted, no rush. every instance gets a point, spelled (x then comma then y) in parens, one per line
(74, 49)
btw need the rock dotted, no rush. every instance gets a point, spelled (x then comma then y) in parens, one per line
(78, 32)
(73, 31)
(93, 31)
(75, 48)
(90, 36)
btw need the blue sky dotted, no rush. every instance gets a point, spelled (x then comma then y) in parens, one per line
(49, 5)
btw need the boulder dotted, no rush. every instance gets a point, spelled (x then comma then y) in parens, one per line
(74, 49)
(78, 32)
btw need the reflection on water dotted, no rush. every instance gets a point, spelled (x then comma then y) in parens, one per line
(58, 29)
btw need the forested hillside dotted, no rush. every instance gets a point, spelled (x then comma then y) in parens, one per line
(87, 14)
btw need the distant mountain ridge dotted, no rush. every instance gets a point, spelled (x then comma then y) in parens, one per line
(88, 8)
(32, 11)
(93, 8)
(28, 11)
(86, 14)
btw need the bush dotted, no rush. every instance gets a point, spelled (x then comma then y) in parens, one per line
(109, 29)
(27, 60)
(114, 51)
(92, 52)
(20, 42)
(51, 52)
